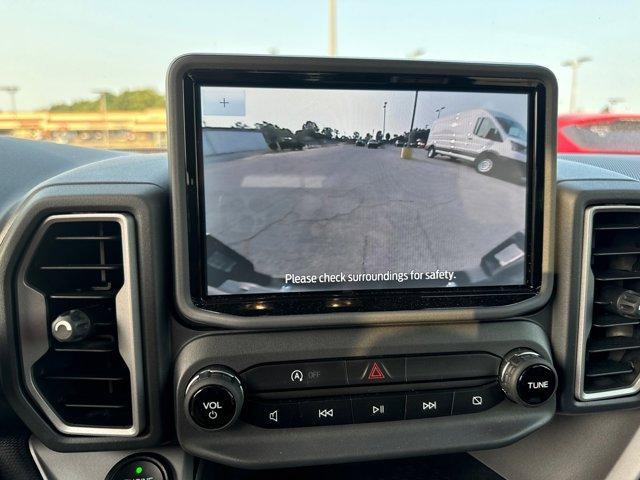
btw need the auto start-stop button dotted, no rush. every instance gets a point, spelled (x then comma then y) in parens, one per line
(139, 467)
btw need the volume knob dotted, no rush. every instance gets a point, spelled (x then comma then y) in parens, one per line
(527, 378)
(214, 398)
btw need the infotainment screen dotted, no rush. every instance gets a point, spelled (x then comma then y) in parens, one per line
(373, 189)
(308, 190)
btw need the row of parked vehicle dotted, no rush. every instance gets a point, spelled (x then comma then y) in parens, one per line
(420, 143)
(491, 140)
(371, 143)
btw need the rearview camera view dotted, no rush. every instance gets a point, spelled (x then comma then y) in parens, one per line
(333, 190)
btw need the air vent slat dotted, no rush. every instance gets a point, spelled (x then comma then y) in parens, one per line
(602, 302)
(600, 252)
(631, 225)
(87, 238)
(607, 368)
(86, 349)
(613, 344)
(615, 275)
(65, 378)
(609, 320)
(82, 295)
(94, 406)
(82, 267)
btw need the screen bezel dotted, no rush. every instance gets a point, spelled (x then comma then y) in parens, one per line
(538, 83)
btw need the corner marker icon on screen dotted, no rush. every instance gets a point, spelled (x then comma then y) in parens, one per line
(223, 101)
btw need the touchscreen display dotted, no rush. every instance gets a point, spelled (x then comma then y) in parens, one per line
(308, 190)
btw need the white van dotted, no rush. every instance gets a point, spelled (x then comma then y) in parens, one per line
(484, 137)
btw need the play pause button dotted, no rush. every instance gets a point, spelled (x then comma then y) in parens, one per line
(429, 404)
(378, 408)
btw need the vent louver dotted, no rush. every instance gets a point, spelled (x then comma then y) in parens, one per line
(610, 333)
(80, 263)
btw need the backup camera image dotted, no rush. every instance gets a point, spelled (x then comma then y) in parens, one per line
(333, 190)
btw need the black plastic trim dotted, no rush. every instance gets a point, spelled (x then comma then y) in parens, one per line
(182, 147)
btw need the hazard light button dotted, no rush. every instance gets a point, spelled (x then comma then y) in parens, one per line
(376, 370)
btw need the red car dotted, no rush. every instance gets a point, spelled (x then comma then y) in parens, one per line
(599, 133)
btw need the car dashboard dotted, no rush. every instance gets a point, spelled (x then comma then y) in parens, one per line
(173, 395)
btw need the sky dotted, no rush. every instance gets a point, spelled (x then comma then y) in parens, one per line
(347, 111)
(60, 51)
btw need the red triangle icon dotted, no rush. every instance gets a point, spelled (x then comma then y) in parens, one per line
(376, 373)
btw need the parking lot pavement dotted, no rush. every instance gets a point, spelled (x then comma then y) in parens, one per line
(357, 210)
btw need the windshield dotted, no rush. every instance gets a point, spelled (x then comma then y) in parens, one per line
(92, 73)
(513, 128)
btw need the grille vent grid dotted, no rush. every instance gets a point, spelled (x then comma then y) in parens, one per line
(612, 352)
(79, 265)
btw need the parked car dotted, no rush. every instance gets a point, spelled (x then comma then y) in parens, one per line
(373, 143)
(482, 137)
(360, 142)
(599, 133)
(401, 142)
(288, 143)
(421, 143)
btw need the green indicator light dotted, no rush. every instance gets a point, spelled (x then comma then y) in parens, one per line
(138, 470)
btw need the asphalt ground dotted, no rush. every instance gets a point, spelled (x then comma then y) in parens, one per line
(356, 210)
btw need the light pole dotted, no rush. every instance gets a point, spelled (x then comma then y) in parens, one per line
(12, 90)
(384, 118)
(438, 110)
(612, 102)
(574, 63)
(103, 109)
(413, 55)
(333, 36)
(407, 152)
(413, 116)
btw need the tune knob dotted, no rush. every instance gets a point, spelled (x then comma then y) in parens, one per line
(527, 378)
(71, 326)
(214, 398)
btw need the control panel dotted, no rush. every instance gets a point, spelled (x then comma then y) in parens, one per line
(280, 398)
(363, 390)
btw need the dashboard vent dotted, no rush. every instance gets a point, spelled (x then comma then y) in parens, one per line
(609, 330)
(89, 385)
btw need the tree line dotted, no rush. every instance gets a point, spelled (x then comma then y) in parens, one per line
(311, 133)
(127, 100)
